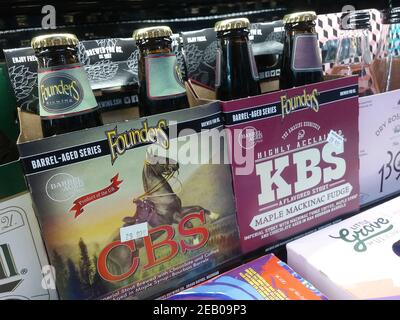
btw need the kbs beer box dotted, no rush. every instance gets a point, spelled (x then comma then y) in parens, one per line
(379, 146)
(295, 163)
(25, 273)
(358, 258)
(134, 209)
(266, 278)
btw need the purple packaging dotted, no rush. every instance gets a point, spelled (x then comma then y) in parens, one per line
(296, 160)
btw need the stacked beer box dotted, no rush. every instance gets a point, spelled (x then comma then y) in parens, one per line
(143, 207)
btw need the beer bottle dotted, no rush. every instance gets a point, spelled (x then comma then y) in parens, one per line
(302, 63)
(66, 100)
(353, 56)
(236, 70)
(161, 87)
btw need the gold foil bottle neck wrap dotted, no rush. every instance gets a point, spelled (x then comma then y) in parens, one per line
(152, 32)
(230, 24)
(300, 17)
(54, 40)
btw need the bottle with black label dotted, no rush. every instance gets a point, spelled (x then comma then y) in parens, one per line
(66, 100)
(236, 71)
(353, 55)
(302, 63)
(161, 87)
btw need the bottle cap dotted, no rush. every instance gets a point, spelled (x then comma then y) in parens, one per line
(300, 17)
(355, 20)
(152, 32)
(231, 24)
(54, 40)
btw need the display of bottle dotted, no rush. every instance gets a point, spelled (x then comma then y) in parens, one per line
(353, 54)
(161, 87)
(236, 73)
(386, 66)
(66, 100)
(301, 63)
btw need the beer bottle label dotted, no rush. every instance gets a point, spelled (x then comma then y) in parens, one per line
(306, 56)
(164, 80)
(64, 91)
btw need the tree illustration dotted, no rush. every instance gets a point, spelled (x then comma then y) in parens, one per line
(85, 267)
(99, 286)
(61, 271)
(74, 289)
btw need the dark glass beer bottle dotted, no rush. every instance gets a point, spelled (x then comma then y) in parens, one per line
(236, 72)
(302, 63)
(161, 87)
(66, 100)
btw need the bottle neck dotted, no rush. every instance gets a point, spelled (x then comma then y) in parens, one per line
(155, 46)
(57, 56)
(236, 75)
(300, 27)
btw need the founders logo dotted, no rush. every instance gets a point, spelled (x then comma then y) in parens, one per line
(120, 142)
(60, 92)
(364, 231)
(305, 100)
(249, 137)
(63, 187)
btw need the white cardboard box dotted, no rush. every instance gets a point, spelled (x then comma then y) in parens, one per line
(379, 125)
(358, 258)
(25, 273)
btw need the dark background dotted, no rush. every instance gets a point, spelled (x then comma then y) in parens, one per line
(20, 20)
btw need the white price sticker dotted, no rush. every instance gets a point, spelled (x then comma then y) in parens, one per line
(133, 232)
(335, 139)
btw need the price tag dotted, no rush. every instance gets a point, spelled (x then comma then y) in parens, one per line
(133, 232)
(335, 139)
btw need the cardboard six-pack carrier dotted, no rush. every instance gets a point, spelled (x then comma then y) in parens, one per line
(127, 210)
(296, 159)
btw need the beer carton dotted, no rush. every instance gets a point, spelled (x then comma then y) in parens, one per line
(295, 163)
(25, 273)
(358, 258)
(379, 146)
(266, 278)
(134, 209)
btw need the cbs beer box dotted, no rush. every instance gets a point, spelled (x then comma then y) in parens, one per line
(266, 278)
(379, 146)
(130, 211)
(358, 258)
(295, 162)
(25, 273)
